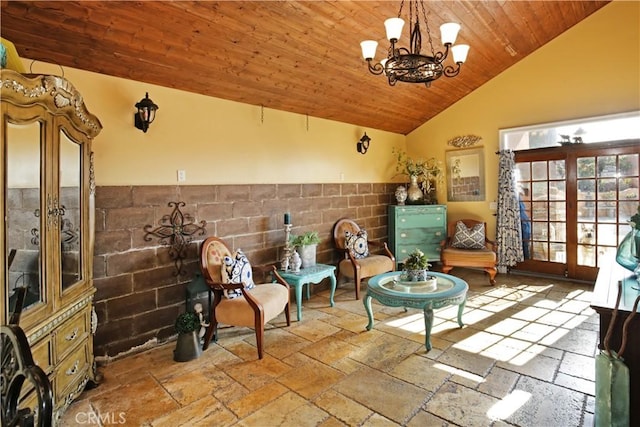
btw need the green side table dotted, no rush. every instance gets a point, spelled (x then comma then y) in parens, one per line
(309, 275)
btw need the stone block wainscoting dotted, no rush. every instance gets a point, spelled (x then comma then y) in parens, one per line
(139, 294)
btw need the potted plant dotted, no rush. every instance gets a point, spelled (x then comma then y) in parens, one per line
(423, 175)
(188, 344)
(306, 244)
(415, 267)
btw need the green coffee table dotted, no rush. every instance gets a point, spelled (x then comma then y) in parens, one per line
(390, 291)
(309, 275)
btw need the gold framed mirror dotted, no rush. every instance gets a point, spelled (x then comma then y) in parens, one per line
(465, 172)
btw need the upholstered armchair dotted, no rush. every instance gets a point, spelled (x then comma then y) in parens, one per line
(357, 261)
(467, 245)
(238, 301)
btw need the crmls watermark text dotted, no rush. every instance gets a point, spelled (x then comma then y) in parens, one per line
(101, 419)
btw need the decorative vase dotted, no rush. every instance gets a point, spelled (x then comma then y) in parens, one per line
(401, 194)
(416, 275)
(295, 262)
(188, 347)
(628, 252)
(308, 255)
(415, 195)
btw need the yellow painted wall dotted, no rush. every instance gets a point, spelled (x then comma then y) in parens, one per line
(592, 69)
(220, 142)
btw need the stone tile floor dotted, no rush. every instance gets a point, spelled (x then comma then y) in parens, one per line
(524, 358)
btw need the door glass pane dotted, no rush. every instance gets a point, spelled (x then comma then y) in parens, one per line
(558, 252)
(607, 234)
(70, 219)
(607, 211)
(586, 167)
(539, 241)
(628, 189)
(540, 211)
(586, 189)
(607, 166)
(557, 190)
(523, 172)
(586, 211)
(607, 189)
(23, 242)
(540, 190)
(629, 165)
(557, 211)
(556, 169)
(539, 171)
(558, 232)
(627, 209)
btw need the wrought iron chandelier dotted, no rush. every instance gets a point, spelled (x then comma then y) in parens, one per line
(410, 65)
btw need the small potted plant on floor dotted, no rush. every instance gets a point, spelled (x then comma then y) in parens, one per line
(306, 244)
(188, 344)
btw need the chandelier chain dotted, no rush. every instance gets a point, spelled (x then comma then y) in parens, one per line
(400, 11)
(426, 23)
(415, 41)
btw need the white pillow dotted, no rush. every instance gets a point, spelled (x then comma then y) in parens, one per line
(237, 270)
(357, 243)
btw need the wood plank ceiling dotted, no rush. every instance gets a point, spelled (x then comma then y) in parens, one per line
(297, 56)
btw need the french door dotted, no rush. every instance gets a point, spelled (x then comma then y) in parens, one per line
(577, 202)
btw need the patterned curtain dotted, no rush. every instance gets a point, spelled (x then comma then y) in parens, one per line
(509, 231)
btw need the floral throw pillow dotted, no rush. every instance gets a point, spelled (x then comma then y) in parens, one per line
(468, 238)
(357, 243)
(237, 269)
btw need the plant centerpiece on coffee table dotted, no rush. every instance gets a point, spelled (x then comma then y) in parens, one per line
(306, 244)
(416, 267)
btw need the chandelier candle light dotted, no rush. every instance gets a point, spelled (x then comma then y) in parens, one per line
(410, 65)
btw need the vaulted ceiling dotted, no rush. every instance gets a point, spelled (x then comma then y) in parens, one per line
(297, 56)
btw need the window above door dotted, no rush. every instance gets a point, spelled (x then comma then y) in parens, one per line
(615, 127)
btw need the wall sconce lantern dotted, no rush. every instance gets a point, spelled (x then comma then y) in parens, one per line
(146, 113)
(363, 145)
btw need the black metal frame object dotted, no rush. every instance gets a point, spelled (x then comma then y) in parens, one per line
(18, 367)
(177, 231)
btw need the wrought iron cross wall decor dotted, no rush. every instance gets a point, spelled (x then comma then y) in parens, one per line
(176, 230)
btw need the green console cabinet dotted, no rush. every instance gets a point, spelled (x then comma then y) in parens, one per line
(417, 226)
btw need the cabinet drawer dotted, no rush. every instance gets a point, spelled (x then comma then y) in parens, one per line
(41, 353)
(410, 221)
(429, 235)
(420, 210)
(72, 369)
(73, 332)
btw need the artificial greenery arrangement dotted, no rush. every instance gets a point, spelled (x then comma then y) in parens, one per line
(187, 322)
(306, 239)
(417, 260)
(425, 170)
